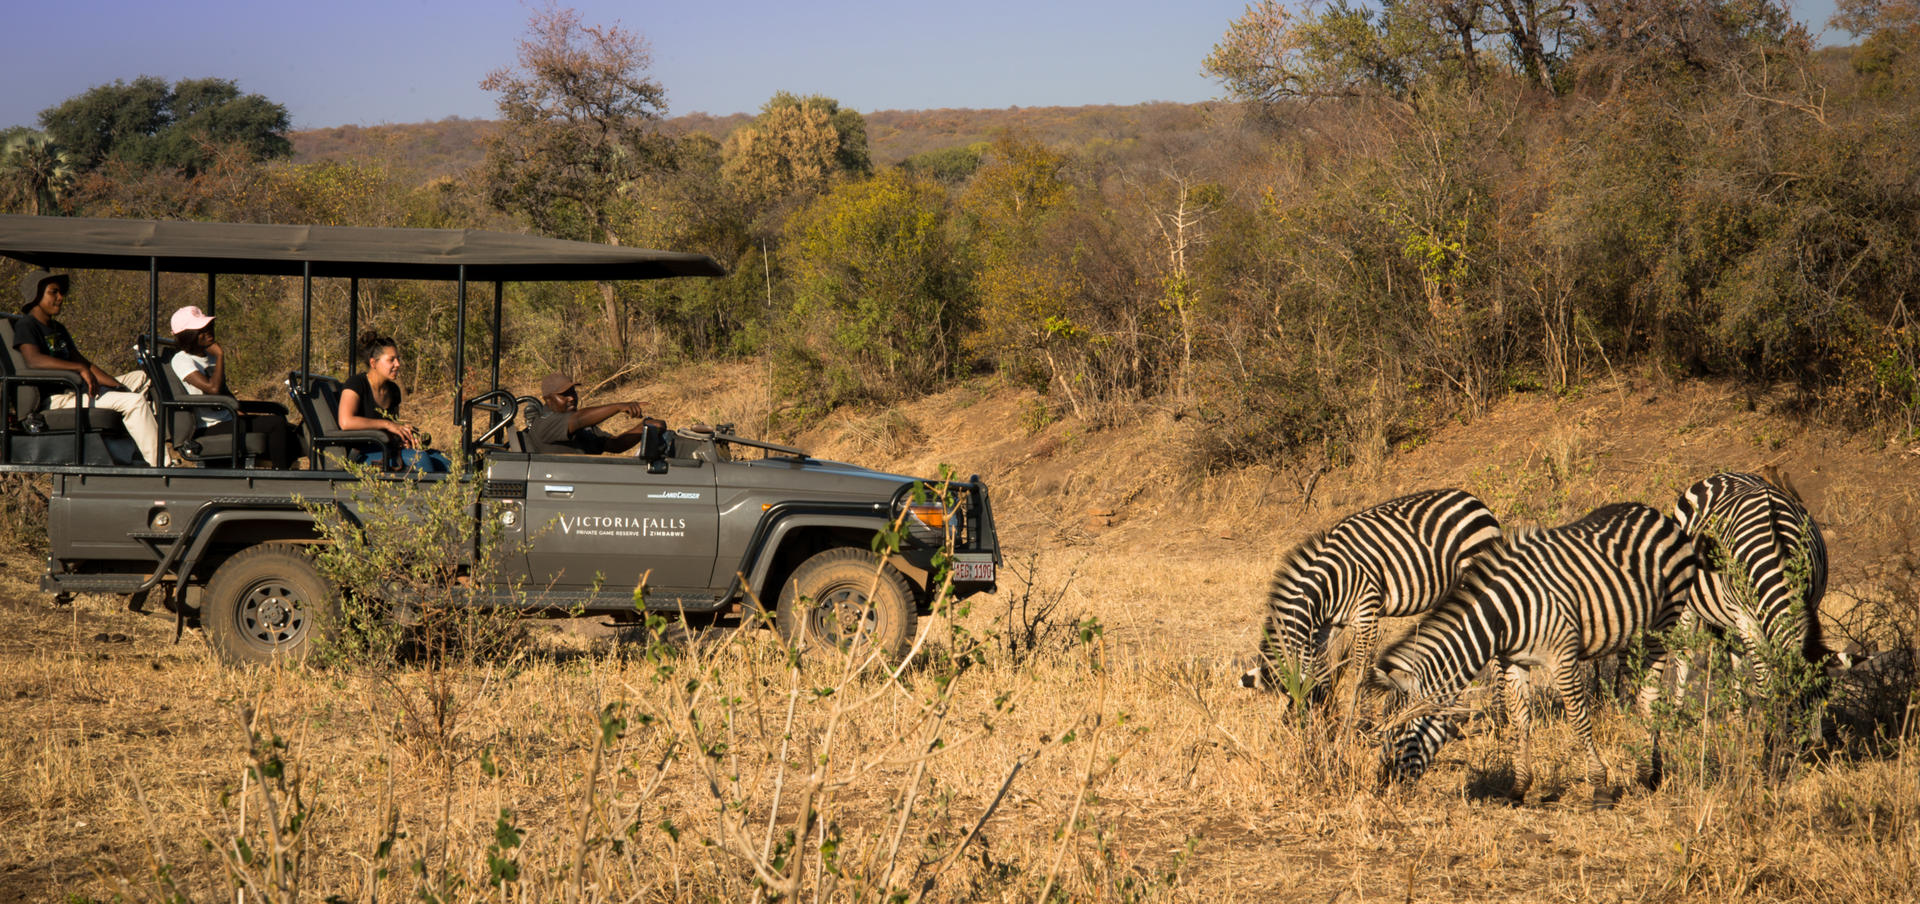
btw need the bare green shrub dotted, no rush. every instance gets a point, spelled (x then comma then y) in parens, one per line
(415, 558)
(1755, 717)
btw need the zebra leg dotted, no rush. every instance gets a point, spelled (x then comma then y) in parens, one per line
(1510, 684)
(1649, 773)
(1366, 636)
(1566, 677)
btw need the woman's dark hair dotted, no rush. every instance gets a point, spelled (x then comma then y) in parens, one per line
(371, 343)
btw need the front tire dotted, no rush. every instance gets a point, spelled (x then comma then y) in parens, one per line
(840, 599)
(262, 605)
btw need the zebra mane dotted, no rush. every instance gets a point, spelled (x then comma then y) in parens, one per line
(1518, 536)
(1298, 557)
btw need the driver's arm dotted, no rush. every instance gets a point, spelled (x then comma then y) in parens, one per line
(591, 417)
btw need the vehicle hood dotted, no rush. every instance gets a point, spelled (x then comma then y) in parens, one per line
(814, 478)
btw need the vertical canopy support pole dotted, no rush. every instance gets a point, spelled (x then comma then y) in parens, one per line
(210, 278)
(306, 326)
(499, 291)
(460, 353)
(153, 303)
(353, 325)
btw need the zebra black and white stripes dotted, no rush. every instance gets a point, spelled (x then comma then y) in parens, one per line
(1764, 532)
(1547, 599)
(1397, 558)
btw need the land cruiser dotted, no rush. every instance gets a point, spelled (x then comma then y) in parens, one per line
(716, 521)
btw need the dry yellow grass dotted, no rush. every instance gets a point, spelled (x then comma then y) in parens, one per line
(1139, 771)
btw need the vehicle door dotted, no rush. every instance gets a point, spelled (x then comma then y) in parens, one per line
(603, 521)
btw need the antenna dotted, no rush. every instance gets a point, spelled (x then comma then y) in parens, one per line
(766, 270)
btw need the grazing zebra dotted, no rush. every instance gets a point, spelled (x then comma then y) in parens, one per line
(1771, 537)
(1397, 558)
(1408, 752)
(1548, 599)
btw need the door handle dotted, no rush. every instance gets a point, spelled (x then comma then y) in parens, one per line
(559, 489)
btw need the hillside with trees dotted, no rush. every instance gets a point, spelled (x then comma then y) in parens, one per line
(1395, 218)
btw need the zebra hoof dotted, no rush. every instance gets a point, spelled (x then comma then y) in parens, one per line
(1604, 799)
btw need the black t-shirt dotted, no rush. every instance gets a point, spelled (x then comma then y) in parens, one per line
(51, 339)
(369, 407)
(547, 435)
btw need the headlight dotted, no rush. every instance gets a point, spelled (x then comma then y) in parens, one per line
(926, 523)
(931, 514)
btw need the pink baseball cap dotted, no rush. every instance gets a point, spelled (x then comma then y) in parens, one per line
(190, 318)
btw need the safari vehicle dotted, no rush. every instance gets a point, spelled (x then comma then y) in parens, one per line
(717, 522)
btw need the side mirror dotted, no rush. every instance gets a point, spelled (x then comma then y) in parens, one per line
(655, 445)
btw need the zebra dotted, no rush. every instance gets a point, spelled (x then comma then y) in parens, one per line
(1548, 599)
(1396, 558)
(1764, 531)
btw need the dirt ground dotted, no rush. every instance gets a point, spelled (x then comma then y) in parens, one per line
(124, 752)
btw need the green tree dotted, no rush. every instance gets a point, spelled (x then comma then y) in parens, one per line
(148, 123)
(35, 173)
(796, 144)
(1890, 32)
(213, 112)
(1024, 286)
(1272, 53)
(880, 294)
(953, 165)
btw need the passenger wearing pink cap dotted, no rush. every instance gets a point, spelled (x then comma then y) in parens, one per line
(201, 364)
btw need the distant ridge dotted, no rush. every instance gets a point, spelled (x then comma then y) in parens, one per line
(450, 147)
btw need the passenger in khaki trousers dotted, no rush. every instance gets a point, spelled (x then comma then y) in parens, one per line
(45, 343)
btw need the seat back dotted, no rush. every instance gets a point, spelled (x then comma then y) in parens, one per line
(155, 356)
(24, 397)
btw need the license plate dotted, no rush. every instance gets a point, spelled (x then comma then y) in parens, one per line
(973, 571)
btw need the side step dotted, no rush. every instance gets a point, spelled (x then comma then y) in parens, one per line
(91, 583)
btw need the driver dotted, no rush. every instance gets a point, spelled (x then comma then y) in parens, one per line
(562, 427)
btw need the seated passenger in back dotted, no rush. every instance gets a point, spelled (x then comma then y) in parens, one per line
(45, 344)
(562, 427)
(202, 365)
(371, 401)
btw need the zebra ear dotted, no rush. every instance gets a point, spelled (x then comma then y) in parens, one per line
(1401, 680)
(1392, 680)
(1251, 678)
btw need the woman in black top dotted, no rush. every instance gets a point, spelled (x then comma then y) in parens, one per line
(371, 401)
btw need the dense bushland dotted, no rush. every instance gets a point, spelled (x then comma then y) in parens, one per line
(1403, 215)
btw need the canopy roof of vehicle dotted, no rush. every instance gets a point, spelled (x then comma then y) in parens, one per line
(59, 243)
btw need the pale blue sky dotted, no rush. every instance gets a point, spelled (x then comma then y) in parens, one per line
(397, 61)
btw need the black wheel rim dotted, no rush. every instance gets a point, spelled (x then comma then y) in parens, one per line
(272, 614)
(843, 615)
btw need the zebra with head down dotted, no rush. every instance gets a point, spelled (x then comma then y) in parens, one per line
(1545, 599)
(1397, 558)
(1763, 533)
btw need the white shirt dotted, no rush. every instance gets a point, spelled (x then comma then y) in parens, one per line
(184, 364)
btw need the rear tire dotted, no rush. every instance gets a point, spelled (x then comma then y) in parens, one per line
(840, 599)
(263, 605)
